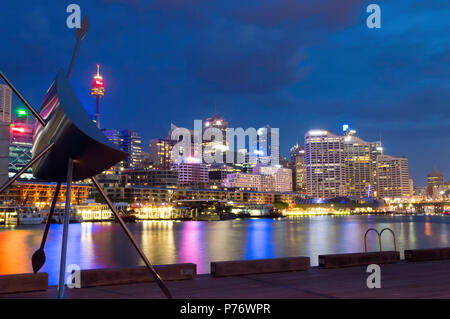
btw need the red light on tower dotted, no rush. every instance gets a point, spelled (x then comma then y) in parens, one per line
(98, 91)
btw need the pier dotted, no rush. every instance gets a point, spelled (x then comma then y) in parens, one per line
(425, 276)
(402, 280)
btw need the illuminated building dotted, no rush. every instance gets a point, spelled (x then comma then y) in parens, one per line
(153, 178)
(211, 146)
(21, 141)
(268, 146)
(191, 172)
(4, 149)
(393, 177)
(280, 178)
(242, 181)
(360, 161)
(41, 193)
(145, 194)
(97, 91)
(435, 179)
(5, 103)
(324, 160)
(298, 165)
(160, 153)
(128, 141)
(263, 178)
(218, 172)
(358, 166)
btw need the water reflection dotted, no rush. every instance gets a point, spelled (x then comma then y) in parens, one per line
(101, 245)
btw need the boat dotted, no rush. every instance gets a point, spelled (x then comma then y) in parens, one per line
(58, 215)
(127, 217)
(20, 215)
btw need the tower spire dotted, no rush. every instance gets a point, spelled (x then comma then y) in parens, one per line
(97, 91)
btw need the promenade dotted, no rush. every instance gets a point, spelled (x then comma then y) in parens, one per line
(402, 280)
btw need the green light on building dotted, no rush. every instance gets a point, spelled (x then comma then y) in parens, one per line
(21, 112)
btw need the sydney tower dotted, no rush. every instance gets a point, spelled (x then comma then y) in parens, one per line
(98, 91)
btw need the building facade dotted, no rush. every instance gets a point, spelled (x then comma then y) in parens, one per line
(191, 173)
(243, 181)
(324, 161)
(152, 178)
(130, 142)
(393, 177)
(298, 165)
(268, 146)
(4, 151)
(435, 180)
(160, 154)
(263, 178)
(212, 145)
(20, 144)
(5, 103)
(359, 177)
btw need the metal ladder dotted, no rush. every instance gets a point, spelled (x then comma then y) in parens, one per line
(379, 237)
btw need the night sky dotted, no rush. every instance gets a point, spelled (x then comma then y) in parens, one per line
(296, 65)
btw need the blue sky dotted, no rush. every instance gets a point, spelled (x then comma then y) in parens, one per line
(295, 65)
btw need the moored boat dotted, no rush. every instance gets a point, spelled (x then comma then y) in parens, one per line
(20, 215)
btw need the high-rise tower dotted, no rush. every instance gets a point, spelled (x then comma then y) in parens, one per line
(98, 91)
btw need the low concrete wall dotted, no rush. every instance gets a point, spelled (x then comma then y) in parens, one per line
(258, 266)
(23, 283)
(358, 259)
(427, 254)
(104, 277)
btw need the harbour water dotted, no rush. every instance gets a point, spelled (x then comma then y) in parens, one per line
(104, 245)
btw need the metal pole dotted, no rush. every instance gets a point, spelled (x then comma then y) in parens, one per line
(97, 111)
(50, 214)
(62, 267)
(23, 170)
(74, 55)
(32, 110)
(38, 258)
(156, 277)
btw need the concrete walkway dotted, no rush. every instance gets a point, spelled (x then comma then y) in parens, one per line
(401, 280)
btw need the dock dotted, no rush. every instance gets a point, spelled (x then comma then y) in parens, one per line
(427, 279)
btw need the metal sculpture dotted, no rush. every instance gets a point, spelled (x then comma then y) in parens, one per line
(68, 147)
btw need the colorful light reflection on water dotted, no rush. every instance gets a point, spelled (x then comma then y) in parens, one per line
(101, 245)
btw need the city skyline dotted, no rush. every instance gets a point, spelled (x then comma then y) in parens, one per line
(369, 84)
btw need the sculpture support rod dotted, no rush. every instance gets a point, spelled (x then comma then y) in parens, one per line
(23, 170)
(62, 266)
(32, 110)
(50, 214)
(156, 277)
(74, 56)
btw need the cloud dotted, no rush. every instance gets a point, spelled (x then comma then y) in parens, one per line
(326, 13)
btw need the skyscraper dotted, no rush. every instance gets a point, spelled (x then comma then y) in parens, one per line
(393, 177)
(20, 144)
(128, 141)
(160, 152)
(5, 103)
(298, 166)
(358, 166)
(210, 146)
(324, 159)
(435, 179)
(268, 146)
(4, 147)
